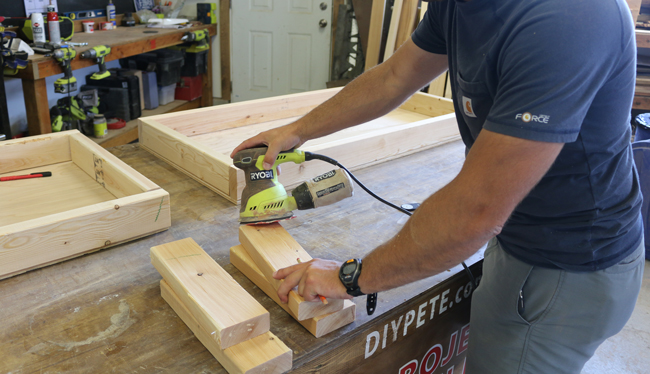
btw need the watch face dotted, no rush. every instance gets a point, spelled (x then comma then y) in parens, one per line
(349, 268)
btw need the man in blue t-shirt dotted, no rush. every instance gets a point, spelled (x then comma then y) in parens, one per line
(542, 91)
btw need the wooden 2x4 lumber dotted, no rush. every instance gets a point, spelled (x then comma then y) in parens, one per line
(262, 354)
(437, 86)
(374, 34)
(109, 171)
(214, 169)
(57, 237)
(428, 104)
(371, 148)
(406, 22)
(319, 326)
(219, 304)
(34, 151)
(391, 39)
(215, 118)
(273, 248)
(192, 158)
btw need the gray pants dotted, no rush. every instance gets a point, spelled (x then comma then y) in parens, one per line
(528, 319)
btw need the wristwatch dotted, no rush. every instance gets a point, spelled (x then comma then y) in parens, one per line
(349, 276)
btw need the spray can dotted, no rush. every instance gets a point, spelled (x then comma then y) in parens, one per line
(110, 12)
(53, 25)
(99, 126)
(38, 28)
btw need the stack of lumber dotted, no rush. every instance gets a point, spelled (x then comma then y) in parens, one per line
(232, 325)
(403, 21)
(264, 249)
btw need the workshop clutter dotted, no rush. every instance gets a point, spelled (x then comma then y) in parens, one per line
(166, 63)
(144, 81)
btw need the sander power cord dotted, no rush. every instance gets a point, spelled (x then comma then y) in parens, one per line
(315, 156)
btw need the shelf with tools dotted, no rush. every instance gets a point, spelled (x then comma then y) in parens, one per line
(129, 133)
(124, 42)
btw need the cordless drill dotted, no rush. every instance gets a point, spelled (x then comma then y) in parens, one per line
(198, 40)
(265, 200)
(68, 83)
(98, 53)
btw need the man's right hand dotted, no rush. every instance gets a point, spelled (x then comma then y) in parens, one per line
(279, 139)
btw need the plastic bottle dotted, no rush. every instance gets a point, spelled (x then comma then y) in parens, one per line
(38, 29)
(110, 12)
(99, 126)
(53, 25)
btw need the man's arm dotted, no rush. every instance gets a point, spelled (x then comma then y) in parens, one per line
(448, 227)
(371, 95)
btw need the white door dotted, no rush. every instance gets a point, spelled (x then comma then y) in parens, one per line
(279, 47)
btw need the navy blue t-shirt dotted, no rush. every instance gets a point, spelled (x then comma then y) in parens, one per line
(555, 71)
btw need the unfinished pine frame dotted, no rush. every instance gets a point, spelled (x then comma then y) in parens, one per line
(318, 326)
(199, 142)
(92, 201)
(219, 304)
(262, 354)
(273, 248)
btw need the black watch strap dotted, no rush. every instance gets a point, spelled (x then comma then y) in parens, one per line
(371, 303)
(349, 275)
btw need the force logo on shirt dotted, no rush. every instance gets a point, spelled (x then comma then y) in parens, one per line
(527, 117)
(467, 107)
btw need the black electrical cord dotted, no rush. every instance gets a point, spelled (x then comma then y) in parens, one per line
(314, 156)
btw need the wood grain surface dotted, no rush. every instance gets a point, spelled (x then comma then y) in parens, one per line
(318, 326)
(218, 303)
(103, 312)
(272, 248)
(264, 354)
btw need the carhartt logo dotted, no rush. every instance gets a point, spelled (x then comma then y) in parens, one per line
(527, 117)
(467, 107)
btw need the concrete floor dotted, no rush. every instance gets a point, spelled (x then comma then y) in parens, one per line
(628, 352)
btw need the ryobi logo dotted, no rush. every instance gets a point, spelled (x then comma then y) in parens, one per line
(527, 117)
(264, 174)
(327, 175)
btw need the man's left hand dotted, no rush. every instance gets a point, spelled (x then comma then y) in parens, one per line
(314, 278)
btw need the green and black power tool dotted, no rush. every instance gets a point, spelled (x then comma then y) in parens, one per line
(265, 200)
(99, 53)
(68, 83)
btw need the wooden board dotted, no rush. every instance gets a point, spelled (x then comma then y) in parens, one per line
(68, 188)
(319, 326)
(263, 354)
(407, 22)
(93, 201)
(199, 142)
(374, 33)
(272, 248)
(34, 151)
(391, 39)
(220, 305)
(437, 86)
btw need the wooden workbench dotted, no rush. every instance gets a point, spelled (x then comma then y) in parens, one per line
(103, 312)
(124, 42)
